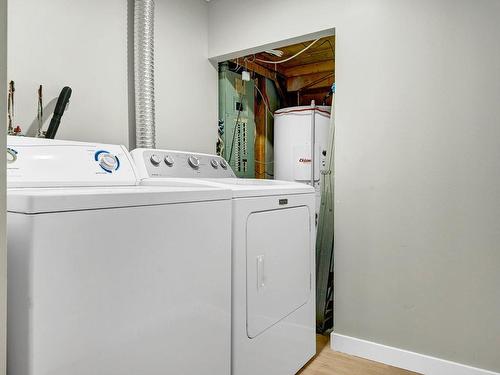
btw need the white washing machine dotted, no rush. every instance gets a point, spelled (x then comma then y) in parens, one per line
(273, 260)
(107, 277)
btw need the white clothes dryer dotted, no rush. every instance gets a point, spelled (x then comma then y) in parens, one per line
(273, 260)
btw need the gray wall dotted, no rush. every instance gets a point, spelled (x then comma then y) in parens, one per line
(186, 82)
(3, 126)
(417, 163)
(84, 45)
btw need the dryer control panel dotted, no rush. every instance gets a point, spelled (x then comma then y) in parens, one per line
(152, 163)
(39, 162)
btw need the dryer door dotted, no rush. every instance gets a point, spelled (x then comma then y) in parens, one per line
(278, 266)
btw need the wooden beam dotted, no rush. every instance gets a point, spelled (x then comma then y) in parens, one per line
(260, 130)
(307, 57)
(310, 81)
(280, 89)
(259, 69)
(265, 72)
(318, 67)
(318, 97)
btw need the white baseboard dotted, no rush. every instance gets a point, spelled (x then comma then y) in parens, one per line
(405, 359)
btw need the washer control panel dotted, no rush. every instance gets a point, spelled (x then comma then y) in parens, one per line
(168, 163)
(39, 162)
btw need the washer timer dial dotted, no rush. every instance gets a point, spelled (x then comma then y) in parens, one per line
(155, 160)
(11, 155)
(194, 162)
(107, 161)
(169, 160)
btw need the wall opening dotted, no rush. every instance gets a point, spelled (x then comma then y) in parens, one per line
(267, 99)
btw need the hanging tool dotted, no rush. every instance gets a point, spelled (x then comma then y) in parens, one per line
(10, 108)
(39, 115)
(62, 102)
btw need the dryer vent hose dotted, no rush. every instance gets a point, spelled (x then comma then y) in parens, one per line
(144, 73)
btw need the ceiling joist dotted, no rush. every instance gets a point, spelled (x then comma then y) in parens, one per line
(310, 81)
(317, 67)
(309, 74)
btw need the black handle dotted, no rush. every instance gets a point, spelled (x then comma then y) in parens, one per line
(62, 102)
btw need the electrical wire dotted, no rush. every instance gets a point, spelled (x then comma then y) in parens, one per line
(220, 144)
(288, 58)
(247, 59)
(321, 111)
(317, 81)
(266, 104)
(331, 46)
(237, 66)
(236, 125)
(325, 237)
(264, 99)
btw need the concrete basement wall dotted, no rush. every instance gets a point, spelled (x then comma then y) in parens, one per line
(417, 163)
(84, 45)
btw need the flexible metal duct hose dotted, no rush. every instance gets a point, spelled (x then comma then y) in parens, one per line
(144, 73)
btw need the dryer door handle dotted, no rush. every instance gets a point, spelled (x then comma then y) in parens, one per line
(260, 272)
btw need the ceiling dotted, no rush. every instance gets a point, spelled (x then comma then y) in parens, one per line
(307, 76)
(320, 51)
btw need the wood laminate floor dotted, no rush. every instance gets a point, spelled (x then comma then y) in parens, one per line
(328, 362)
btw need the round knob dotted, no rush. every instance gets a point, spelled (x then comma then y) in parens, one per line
(11, 155)
(223, 164)
(214, 163)
(169, 160)
(194, 162)
(155, 160)
(108, 162)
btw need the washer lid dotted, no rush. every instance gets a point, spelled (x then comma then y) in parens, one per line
(243, 187)
(44, 200)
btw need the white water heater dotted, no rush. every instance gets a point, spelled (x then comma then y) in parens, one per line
(292, 144)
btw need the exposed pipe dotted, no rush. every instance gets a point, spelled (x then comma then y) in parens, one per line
(144, 73)
(313, 140)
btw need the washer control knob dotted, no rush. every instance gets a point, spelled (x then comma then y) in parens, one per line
(155, 160)
(194, 162)
(214, 163)
(223, 164)
(108, 161)
(11, 155)
(169, 160)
